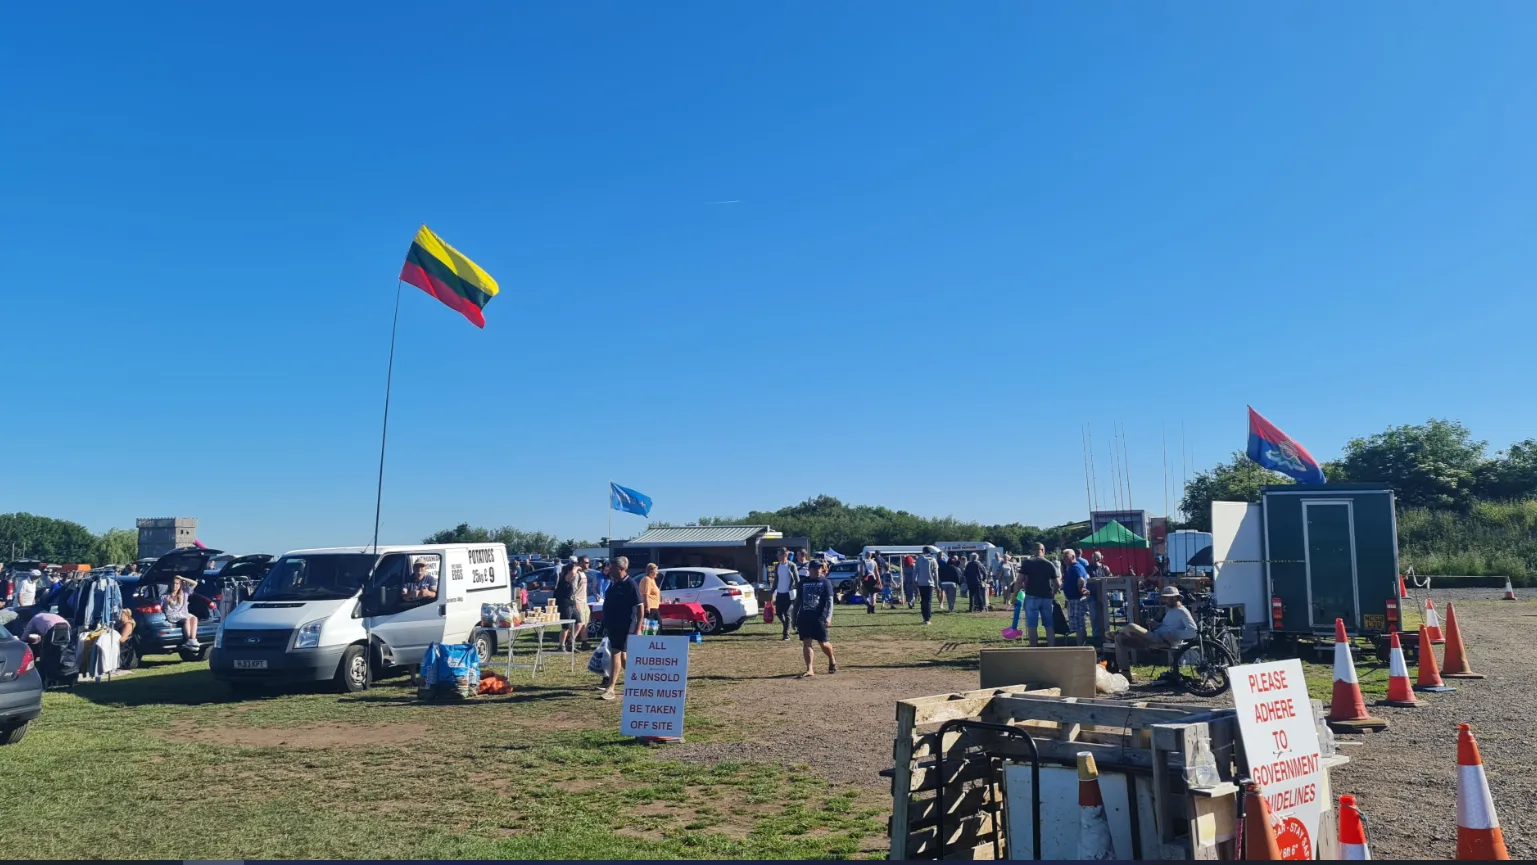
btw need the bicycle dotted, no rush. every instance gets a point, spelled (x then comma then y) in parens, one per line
(1203, 663)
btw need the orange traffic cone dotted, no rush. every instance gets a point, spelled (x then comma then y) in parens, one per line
(1510, 591)
(1094, 841)
(1259, 842)
(1433, 623)
(1403, 590)
(1456, 664)
(1347, 709)
(1400, 692)
(1430, 676)
(1352, 831)
(1478, 827)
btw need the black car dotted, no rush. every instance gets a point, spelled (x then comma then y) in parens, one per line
(21, 688)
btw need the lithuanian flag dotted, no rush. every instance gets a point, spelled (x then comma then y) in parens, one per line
(443, 272)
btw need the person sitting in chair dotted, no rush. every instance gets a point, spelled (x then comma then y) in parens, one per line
(423, 586)
(1177, 626)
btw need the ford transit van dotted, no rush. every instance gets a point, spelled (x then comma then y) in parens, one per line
(326, 614)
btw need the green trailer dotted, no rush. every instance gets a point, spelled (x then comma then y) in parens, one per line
(1331, 552)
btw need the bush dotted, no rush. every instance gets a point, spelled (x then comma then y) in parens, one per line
(1496, 539)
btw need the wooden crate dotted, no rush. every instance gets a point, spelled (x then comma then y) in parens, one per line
(1153, 742)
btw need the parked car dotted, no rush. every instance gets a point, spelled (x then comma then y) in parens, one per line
(21, 688)
(842, 572)
(152, 634)
(540, 585)
(727, 597)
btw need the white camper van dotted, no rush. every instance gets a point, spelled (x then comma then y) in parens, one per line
(313, 615)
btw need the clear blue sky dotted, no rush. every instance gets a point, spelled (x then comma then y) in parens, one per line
(956, 234)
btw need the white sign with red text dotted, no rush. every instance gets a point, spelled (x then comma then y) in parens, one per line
(655, 686)
(1280, 739)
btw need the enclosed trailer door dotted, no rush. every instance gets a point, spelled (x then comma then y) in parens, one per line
(1328, 531)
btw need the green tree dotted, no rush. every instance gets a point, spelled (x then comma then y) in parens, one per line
(25, 535)
(1435, 464)
(1512, 474)
(460, 534)
(116, 547)
(1237, 480)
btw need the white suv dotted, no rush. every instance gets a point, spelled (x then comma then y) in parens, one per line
(727, 597)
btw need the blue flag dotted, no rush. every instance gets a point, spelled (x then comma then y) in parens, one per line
(1275, 450)
(628, 500)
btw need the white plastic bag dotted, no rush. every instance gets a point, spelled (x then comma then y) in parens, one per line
(1106, 682)
(602, 660)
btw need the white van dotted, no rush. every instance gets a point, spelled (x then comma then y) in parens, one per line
(312, 617)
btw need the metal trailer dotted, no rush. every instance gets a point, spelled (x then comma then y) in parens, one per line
(1331, 552)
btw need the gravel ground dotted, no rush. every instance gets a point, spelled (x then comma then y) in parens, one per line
(1406, 776)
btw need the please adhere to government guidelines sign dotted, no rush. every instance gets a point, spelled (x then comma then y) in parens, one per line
(1280, 739)
(655, 686)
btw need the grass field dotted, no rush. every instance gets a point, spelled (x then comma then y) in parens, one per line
(165, 763)
(157, 765)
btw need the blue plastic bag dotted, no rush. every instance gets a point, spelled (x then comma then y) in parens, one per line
(451, 670)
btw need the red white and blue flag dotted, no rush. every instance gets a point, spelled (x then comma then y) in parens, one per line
(1275, 450)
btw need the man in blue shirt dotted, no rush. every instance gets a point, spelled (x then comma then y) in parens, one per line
(1075, 587)
(814, 613)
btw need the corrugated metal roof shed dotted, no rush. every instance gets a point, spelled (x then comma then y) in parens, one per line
(697, 536)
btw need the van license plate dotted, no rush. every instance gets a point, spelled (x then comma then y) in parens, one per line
(1374, 622)
(250, 665)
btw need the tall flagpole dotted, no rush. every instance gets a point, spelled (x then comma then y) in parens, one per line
(389, 381)
(610, 537)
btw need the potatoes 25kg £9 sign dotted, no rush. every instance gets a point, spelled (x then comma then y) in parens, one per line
(1280, 738)
(655, 686)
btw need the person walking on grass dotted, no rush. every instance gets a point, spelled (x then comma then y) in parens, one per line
(976, 585)
(1004, 577)
(869, 581)
(785, 581)
(1038, 579)
(814, 616)
(1080, 600)
(950, 580)
(623, 614)
(925, 579)
(902, 591)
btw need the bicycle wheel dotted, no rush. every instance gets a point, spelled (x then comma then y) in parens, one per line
(1230, 642)
(1202, 668)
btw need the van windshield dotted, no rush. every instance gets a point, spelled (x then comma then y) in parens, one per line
(328, 577)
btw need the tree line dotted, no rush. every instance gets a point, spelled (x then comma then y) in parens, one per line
(1449, 486)
(27, 536)
(1437, 465)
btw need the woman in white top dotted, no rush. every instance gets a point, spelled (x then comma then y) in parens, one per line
(175, 607)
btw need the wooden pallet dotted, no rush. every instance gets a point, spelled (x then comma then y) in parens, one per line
(1141, 739)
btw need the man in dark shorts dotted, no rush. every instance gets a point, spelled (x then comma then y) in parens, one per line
(814, 613)
(621, 619)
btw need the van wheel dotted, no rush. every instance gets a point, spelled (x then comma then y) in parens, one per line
(485, 647)
(352, 673)
(713, 622)
(12, 735)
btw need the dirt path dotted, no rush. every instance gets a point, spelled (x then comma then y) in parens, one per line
(840, 725)
(1406, 776)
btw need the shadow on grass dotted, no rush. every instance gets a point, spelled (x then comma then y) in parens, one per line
(194, 686)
